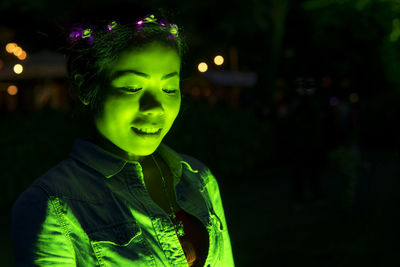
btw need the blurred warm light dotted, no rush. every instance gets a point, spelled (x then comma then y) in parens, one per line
(207, 92)
(345, 83)
(280, 83)
(18, 68)
(202, 67)
(326, 81)
(17, 51)
(354, 97)
(22, 56)
(218, 60)
(279, 94)
(1, 63)
(10, 47)
(195, 91)
(12, 90)
(300, 90)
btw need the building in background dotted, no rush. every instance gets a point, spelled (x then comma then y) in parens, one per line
(37, 82)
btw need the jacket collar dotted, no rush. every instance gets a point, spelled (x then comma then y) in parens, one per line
(109, 164)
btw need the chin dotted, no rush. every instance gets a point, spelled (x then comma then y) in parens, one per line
(143, 150)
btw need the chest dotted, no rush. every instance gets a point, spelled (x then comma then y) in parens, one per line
(162, 194)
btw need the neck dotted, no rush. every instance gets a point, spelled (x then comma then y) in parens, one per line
(107, 145)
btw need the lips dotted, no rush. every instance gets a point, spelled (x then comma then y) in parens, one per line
(139, 132)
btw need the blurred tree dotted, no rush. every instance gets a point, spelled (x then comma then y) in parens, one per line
(373, 23)
(257, 27)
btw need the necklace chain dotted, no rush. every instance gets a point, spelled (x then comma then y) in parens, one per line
(178, 225)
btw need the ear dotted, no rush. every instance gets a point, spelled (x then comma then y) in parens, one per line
(79, 80)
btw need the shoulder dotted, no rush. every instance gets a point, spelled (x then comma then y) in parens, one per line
(57, 176)
(70, 178)
(62, 169)
(33, 196)
(194, 164)
(38, 193)
(197, 166)
(29, 211)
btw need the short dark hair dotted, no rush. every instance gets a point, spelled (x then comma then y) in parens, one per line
(88, 58)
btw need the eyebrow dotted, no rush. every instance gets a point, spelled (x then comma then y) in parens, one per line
(120, 73)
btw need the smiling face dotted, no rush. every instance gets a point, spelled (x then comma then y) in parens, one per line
(143, 93)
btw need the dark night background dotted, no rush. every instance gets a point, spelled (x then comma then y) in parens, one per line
(306, 157)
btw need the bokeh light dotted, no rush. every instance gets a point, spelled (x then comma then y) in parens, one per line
(345, 83)
(202, 67)
(300, 90)
(12, 90)
(10, 47)
(309, 91)
(279, 94)
(218, 60)
(22, 56)
(207, 92)
(195, 91)
(18, 68)
(17, 51)
(326, 81)
(334, 101)
(354, 97)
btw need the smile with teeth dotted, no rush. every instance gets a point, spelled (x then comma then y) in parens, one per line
(148, 130)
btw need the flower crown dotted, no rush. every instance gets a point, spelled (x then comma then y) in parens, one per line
(79, 33)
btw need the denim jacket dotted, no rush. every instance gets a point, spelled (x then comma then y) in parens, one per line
(92, 209)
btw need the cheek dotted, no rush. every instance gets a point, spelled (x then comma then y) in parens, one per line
(171, 112)
(119, 110)
(175, 107)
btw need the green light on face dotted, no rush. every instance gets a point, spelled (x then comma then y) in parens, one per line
(144, 93)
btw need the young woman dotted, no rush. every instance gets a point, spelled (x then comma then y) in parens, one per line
(122, 197)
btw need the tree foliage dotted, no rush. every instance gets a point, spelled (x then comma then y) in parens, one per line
(375, 23)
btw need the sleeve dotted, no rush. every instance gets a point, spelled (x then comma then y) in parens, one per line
(39, 238)
(215, 196)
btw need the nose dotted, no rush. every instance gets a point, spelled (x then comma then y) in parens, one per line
(150, 105)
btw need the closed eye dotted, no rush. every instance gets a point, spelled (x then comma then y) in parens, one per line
(170, 91)
(133, 90)
(130, 89)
